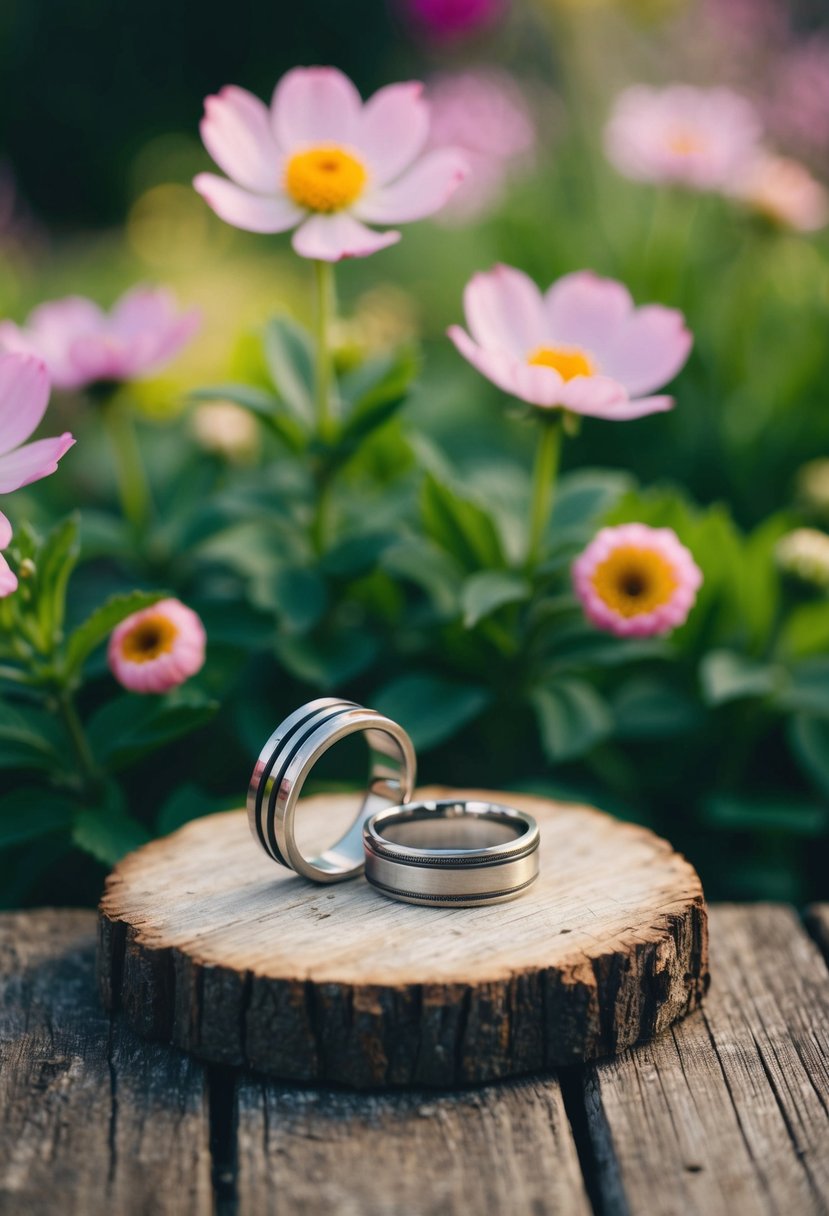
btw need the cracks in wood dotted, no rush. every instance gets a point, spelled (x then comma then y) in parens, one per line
(223, 1111)
(572, 1082)
(112, 1130)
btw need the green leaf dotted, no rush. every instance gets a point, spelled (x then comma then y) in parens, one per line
(789, 816)
(429, 567)
(107, 831)
(805, 631)
(264, 405)
(29, 740)
(649, 708)
(460, 526)
(584, 496)
(489, 590)
(728, 676)
(327, 662)
(808, 688)
(28, 814)
(290, 362)
(56, 559)
(97, 627)
(809, 740)
(357, 554)
(376, 391)
(430, 708)
(189, 802)
(572, 718)
(132, 726)
(299, 595)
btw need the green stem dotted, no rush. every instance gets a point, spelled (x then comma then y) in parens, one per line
(324, 280)
(132, 481)
(75, 730)
(547, 457)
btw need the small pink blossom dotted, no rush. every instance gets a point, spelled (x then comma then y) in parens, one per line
(82, 345)
(451, 20)
(157, 648)
(582, 346)
(325, 163)
(24, 395)
(485, 114)
(636, 581)
(785, 192)
(697, 138)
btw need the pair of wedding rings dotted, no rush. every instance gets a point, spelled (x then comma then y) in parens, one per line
(448, 853)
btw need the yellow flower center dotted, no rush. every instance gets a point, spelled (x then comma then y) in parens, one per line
(568, 361)
(149, 638)
(325, 179)
(633, 581)
(685, 143)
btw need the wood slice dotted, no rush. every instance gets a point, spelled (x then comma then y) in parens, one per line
(207, 943)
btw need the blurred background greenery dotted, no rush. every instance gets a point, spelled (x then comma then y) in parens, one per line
(720, 738)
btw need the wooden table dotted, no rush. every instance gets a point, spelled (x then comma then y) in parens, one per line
(726, 1113)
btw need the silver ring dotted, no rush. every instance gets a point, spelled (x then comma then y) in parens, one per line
(452, 853)
(288, 757)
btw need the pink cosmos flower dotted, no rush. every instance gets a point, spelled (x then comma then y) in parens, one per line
(698, 138)
(158, 648)
(581, 346)
(24, 395)
(485, 114)
(636, 581)
(81, 345)
(785, 192)
(324, 163)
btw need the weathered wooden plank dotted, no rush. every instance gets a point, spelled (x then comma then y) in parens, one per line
(92, 1118)
(817, 922)
(500, 1149)
(726, 1114)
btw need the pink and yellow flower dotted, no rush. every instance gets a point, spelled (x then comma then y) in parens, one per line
(82, 345)
(324, 163)
(785, 192)
(636, 581)
(24, 395)
(581, 346)
(697, 138)
(158, 648)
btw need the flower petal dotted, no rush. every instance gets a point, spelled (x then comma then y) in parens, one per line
(24, 395)
(536, 385)
(8, 579)
(596, 397)
(583, 309)
(393, 128)
(236, 130)
(504, 311)
(421, 191)
(5, 531)
(649, 349)
(32, 461)
(253, 212)
(143, 308)
(315, 106)
(330, 238)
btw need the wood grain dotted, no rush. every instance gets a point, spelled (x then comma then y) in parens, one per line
(208, 943)
(817, 922)
(726, 1115)
(92, 1119)
(500, 1149)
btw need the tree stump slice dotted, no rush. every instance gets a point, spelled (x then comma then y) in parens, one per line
(208, 944)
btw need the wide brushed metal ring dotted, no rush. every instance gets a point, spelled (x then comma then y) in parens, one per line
(285, 763)
(452, 853)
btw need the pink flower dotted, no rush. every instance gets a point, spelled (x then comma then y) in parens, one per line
(449, 20)
(324, 163)
(24, 395)
(485, 115)
(797, 105)
(581, 346)
(785, 192)
(636, 581)
(158, 648)
(698, 138)
(80, 344)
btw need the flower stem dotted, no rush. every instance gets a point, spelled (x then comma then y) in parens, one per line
(75, 730)
(547, 457)
(132, 481)
(324, 281)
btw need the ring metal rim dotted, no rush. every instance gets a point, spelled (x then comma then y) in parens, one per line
(287, 759)
(458, 877)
